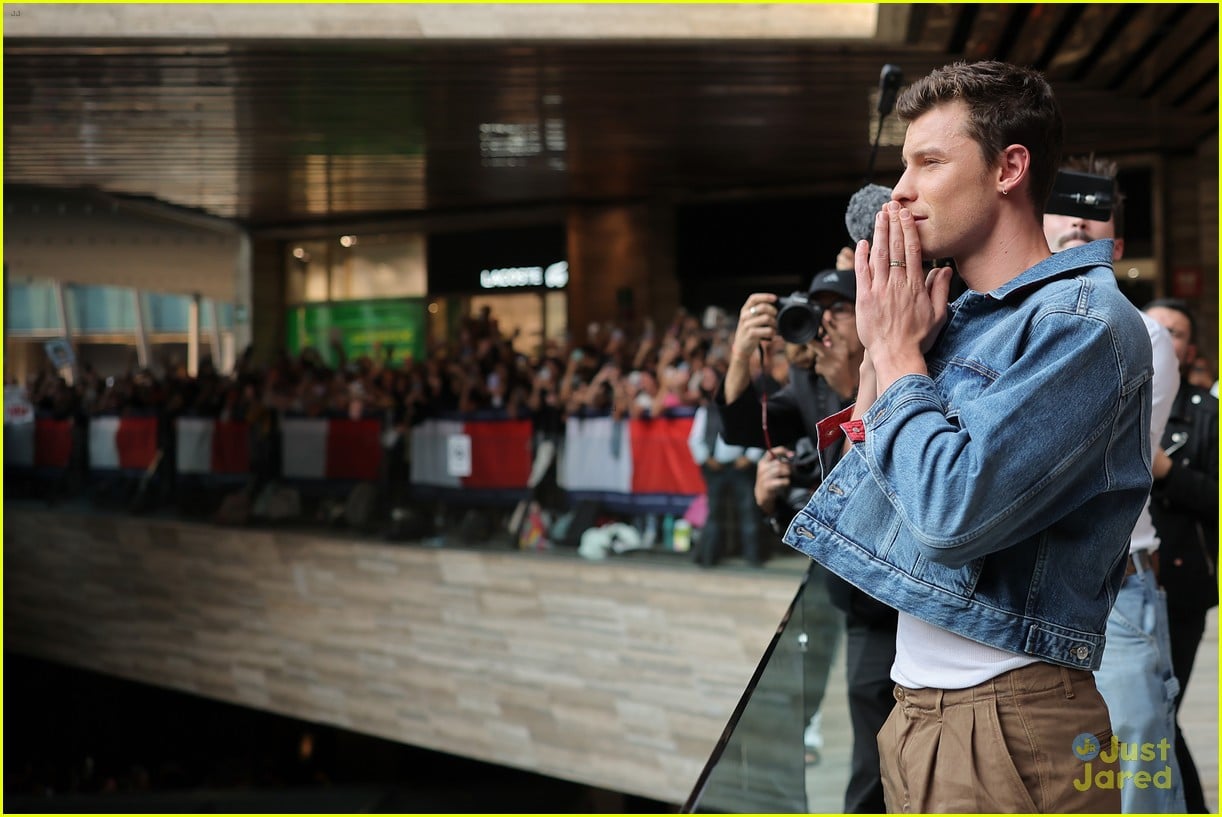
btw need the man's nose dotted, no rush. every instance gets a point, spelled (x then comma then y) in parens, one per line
(901, 192)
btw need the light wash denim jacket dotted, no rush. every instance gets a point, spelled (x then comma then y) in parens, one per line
(995, 497)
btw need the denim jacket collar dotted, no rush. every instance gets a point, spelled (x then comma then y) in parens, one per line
(1073, 260)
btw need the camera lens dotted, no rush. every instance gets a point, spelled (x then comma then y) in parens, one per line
(799, 321)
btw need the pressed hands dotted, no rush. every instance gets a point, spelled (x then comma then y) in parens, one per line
(900, 307)
(900, 310)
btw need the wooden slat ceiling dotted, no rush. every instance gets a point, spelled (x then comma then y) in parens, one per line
(276, 134)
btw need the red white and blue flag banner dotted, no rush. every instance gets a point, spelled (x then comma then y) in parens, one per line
(320, 448)
(123, 443)
(209, 446)
(640, 456)
(41, 443)
(473, 454)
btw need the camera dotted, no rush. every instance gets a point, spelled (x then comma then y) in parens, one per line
(1082, 195)
(799, 319)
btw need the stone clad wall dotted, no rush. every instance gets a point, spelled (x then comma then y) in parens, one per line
(616, 674)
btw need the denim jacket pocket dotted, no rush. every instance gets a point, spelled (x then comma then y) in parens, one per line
(850, 507)
(960, 381)
(839, 490)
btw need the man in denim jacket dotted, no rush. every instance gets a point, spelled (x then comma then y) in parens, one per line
(999, 460)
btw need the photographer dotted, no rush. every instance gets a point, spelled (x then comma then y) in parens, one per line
(811, 394)
(823, 377)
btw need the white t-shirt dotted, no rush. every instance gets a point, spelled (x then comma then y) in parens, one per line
(1166, 385)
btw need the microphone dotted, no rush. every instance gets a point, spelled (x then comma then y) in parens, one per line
(864, 204)
(889, 82)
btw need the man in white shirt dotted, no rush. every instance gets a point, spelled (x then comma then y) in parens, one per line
(1136, 677)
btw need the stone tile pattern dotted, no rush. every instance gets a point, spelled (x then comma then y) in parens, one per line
(619, 674)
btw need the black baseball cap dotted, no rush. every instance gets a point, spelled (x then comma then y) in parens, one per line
(841, 282)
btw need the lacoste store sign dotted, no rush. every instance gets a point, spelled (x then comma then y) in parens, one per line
(555, 276)
(532, 257)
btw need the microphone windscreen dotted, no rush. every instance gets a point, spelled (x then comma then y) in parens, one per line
(859, 216)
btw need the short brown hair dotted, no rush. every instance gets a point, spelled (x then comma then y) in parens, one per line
(1007, 105)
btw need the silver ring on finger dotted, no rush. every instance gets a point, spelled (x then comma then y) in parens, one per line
(895, 263)
(751, 311)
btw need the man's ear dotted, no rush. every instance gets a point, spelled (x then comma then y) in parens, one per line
(1117, 249)
(1014, 166)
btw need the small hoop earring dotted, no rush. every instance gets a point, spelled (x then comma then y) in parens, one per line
(1005, 192)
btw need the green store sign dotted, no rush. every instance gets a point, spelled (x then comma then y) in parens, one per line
(363, 328)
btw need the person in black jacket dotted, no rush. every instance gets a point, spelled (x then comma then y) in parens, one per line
(824, 386)
(1184, 509)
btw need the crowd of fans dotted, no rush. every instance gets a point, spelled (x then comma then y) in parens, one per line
(611, 370)
(608, 372)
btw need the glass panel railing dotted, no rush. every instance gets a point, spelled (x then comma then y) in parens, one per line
(787, 745)
(30, 307)
(100, 309)
(167, 311)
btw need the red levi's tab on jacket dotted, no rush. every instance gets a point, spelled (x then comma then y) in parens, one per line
(832, 428)
(856, 430)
